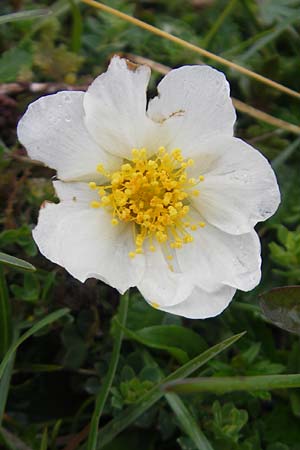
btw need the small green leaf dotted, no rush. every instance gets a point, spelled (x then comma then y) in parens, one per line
(12, 62)
(16, 262)
(281, 306)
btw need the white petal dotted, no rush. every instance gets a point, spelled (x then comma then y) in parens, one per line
(83, 240)
(193, 103)
(115, 108)
(160, 285)
(215, 257)
(202, 305)
(240, 187)
(53, 131)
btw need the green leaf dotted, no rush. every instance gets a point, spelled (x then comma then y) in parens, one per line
(117, 425)
(12, 62)
(16, 262)
(221, 385)
(108, 380)
(180, 342)
(281, 306)
(44, 442)
(188, 422)
(24, 15)
(4, 387)
(50, 318)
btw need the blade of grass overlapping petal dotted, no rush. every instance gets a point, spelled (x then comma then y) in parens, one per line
(193, 47)
(117, 425)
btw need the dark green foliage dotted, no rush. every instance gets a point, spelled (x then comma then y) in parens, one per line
(59, 370)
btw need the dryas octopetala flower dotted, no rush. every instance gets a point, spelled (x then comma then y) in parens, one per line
(163, 198)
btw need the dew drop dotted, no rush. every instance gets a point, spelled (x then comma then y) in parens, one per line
(67, 118)
(67, 98)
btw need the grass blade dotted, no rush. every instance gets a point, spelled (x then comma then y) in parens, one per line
(44, 442)
(193, 47)
(4, 387)
(188, 423)
(16, 262)
(104, 391)
(218, 23)
(50, 318)
(5, 315)
(24, 15)
(222, 385)
(117, 425)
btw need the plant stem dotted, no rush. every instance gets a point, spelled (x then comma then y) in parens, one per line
(104, 391)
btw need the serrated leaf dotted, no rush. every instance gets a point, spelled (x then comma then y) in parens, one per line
(281, 306)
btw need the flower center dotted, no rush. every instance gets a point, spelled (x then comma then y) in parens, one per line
(154, 195)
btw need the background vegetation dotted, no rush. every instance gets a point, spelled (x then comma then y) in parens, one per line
(59, 370)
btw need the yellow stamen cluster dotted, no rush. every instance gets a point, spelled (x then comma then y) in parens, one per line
(152, 193)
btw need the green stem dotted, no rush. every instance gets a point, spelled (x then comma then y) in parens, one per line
(228, 384)
(218, 23)
(107, 383)
(5, 315)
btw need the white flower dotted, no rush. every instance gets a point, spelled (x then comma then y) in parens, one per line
(164, 198)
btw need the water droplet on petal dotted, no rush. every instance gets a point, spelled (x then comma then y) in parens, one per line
(67, 98)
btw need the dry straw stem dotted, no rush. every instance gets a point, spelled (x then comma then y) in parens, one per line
(192, 47)
(240, 106)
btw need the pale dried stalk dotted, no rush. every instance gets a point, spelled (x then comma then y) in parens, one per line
(192, 47)
(240, 106)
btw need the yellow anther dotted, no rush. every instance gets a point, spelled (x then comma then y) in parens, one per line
(172, 211)
(188, 238)
(153, 195)
(154, 305)
(201, 178)
(195, 193)
(169, 257)
(126, 167)
(95, 204)
(100, 168)
(101, 191)
(105, 200)
(202, 224)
